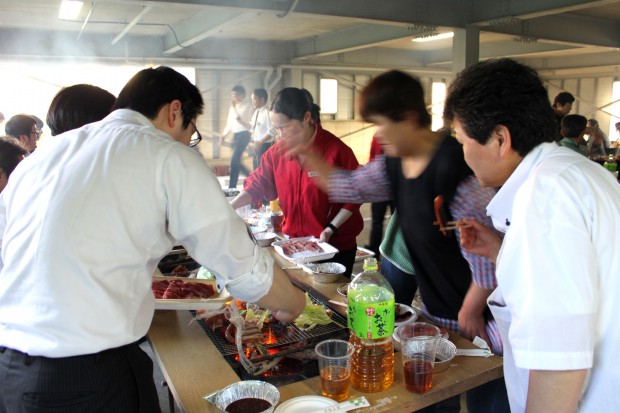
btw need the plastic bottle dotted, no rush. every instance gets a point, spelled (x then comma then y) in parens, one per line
(371, 322)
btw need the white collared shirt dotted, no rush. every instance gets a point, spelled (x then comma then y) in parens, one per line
(84, 222)
(558, 274)
(243, 110)
(261, 125)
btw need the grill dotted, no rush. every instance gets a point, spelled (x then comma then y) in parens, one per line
(281, 339)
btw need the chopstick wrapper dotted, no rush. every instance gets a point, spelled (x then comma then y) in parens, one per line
(483, 351)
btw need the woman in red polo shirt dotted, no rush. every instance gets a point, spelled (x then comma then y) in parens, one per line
(307, 209)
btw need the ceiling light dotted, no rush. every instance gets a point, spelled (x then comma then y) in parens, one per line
(435, 37)
(69, 9)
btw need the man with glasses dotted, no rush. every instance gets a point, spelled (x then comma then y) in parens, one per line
(24, 128)
(83, 225)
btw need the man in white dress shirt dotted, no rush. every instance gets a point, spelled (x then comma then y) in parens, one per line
(262, 132)
(83, 225)
(239, 115)
(558, 267)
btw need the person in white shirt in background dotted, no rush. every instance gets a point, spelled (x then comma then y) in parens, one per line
(263, 134)
(558, 267)
(84, 222)
(239, 115)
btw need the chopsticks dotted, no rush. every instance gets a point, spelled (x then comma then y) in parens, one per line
(452, 225)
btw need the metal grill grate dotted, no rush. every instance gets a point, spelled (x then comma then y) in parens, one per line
(285, 333)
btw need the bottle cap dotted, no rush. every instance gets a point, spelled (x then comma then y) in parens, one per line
(370, 264)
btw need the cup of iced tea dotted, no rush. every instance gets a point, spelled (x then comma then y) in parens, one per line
(276, 220)
(335, 367)
(418, 343)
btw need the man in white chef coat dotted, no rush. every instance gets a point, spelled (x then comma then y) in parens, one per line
(83, 224)
(558, 267)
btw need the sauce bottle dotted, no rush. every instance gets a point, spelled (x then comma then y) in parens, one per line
(371, 322)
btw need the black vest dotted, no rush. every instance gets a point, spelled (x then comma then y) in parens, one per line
(442, 273)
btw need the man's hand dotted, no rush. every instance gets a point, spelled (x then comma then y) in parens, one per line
(480, 239)
(326, 235)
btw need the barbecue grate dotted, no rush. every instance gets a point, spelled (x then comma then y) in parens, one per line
(278, 334)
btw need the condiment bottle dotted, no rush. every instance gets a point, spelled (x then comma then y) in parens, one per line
(371, 322)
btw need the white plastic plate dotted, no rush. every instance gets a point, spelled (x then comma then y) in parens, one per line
(306, 256)
(215, 302)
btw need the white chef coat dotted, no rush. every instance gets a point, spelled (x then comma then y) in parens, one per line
(84, 222)
(261, 125)
(558, 274)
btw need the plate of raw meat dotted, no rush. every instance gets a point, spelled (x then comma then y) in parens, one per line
(173, 293)
(305, 249)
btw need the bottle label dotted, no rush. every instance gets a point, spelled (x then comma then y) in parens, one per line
(371, 320)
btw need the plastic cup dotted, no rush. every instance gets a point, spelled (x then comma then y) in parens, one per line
(335, 367)
(418, 343)
(276, 220)
(244, 212)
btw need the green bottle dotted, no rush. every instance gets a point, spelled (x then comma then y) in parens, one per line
(371, 313)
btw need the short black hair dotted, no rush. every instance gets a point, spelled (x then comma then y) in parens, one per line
(563, 98)
(395, 95)
(11, 153)
(238, 89)
(573, 125)
(261, 94)
(502, 92)
(150, 89)
(294, 103)
(75, 106)
(20, 125)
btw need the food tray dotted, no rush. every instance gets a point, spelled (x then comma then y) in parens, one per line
(362, 254)
(306, 256)
(215, 302)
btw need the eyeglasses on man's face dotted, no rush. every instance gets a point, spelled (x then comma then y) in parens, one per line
(196, 137)
(37, 133)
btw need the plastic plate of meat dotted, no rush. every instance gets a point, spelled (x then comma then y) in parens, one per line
(174, 293)
(305, 249)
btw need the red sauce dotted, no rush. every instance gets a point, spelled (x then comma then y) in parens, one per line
(248, 405)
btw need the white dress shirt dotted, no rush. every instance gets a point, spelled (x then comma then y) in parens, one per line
(84, 222)
(558, 274)
(261, 125)
(243, 110)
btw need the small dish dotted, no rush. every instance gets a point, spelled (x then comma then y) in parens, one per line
(304, 404)
(264, 239)
(326, 272)
(446, 351)
(257, 229)
(405, 314)
(343, 291)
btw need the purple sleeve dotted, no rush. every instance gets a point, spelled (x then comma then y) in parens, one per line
(367, 183)
(470, 201)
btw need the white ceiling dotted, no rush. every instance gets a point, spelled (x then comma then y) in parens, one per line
(550, 35)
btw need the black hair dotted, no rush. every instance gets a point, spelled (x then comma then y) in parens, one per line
(593, 122)
(150, 89)
(294, 103)
(19, 125)
(75, 106)
(502, 92)
(261, 94)
(395, 95)
(573, 125)
(563, 98)
(11, 153)
(238, 89)
(316, 109)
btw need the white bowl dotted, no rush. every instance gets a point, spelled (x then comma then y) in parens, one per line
(264, 239)
(405, 314)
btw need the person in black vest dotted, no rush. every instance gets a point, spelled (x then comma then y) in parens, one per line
(419, 164)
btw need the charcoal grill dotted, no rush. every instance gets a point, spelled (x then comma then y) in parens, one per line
(282, 339)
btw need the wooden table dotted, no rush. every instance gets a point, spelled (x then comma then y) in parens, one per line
(193, 367)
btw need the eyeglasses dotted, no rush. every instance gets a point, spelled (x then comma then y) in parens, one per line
(36, 133)
(196, 137)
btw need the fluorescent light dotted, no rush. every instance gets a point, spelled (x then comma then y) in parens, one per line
(435, 37)
(69, 9)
